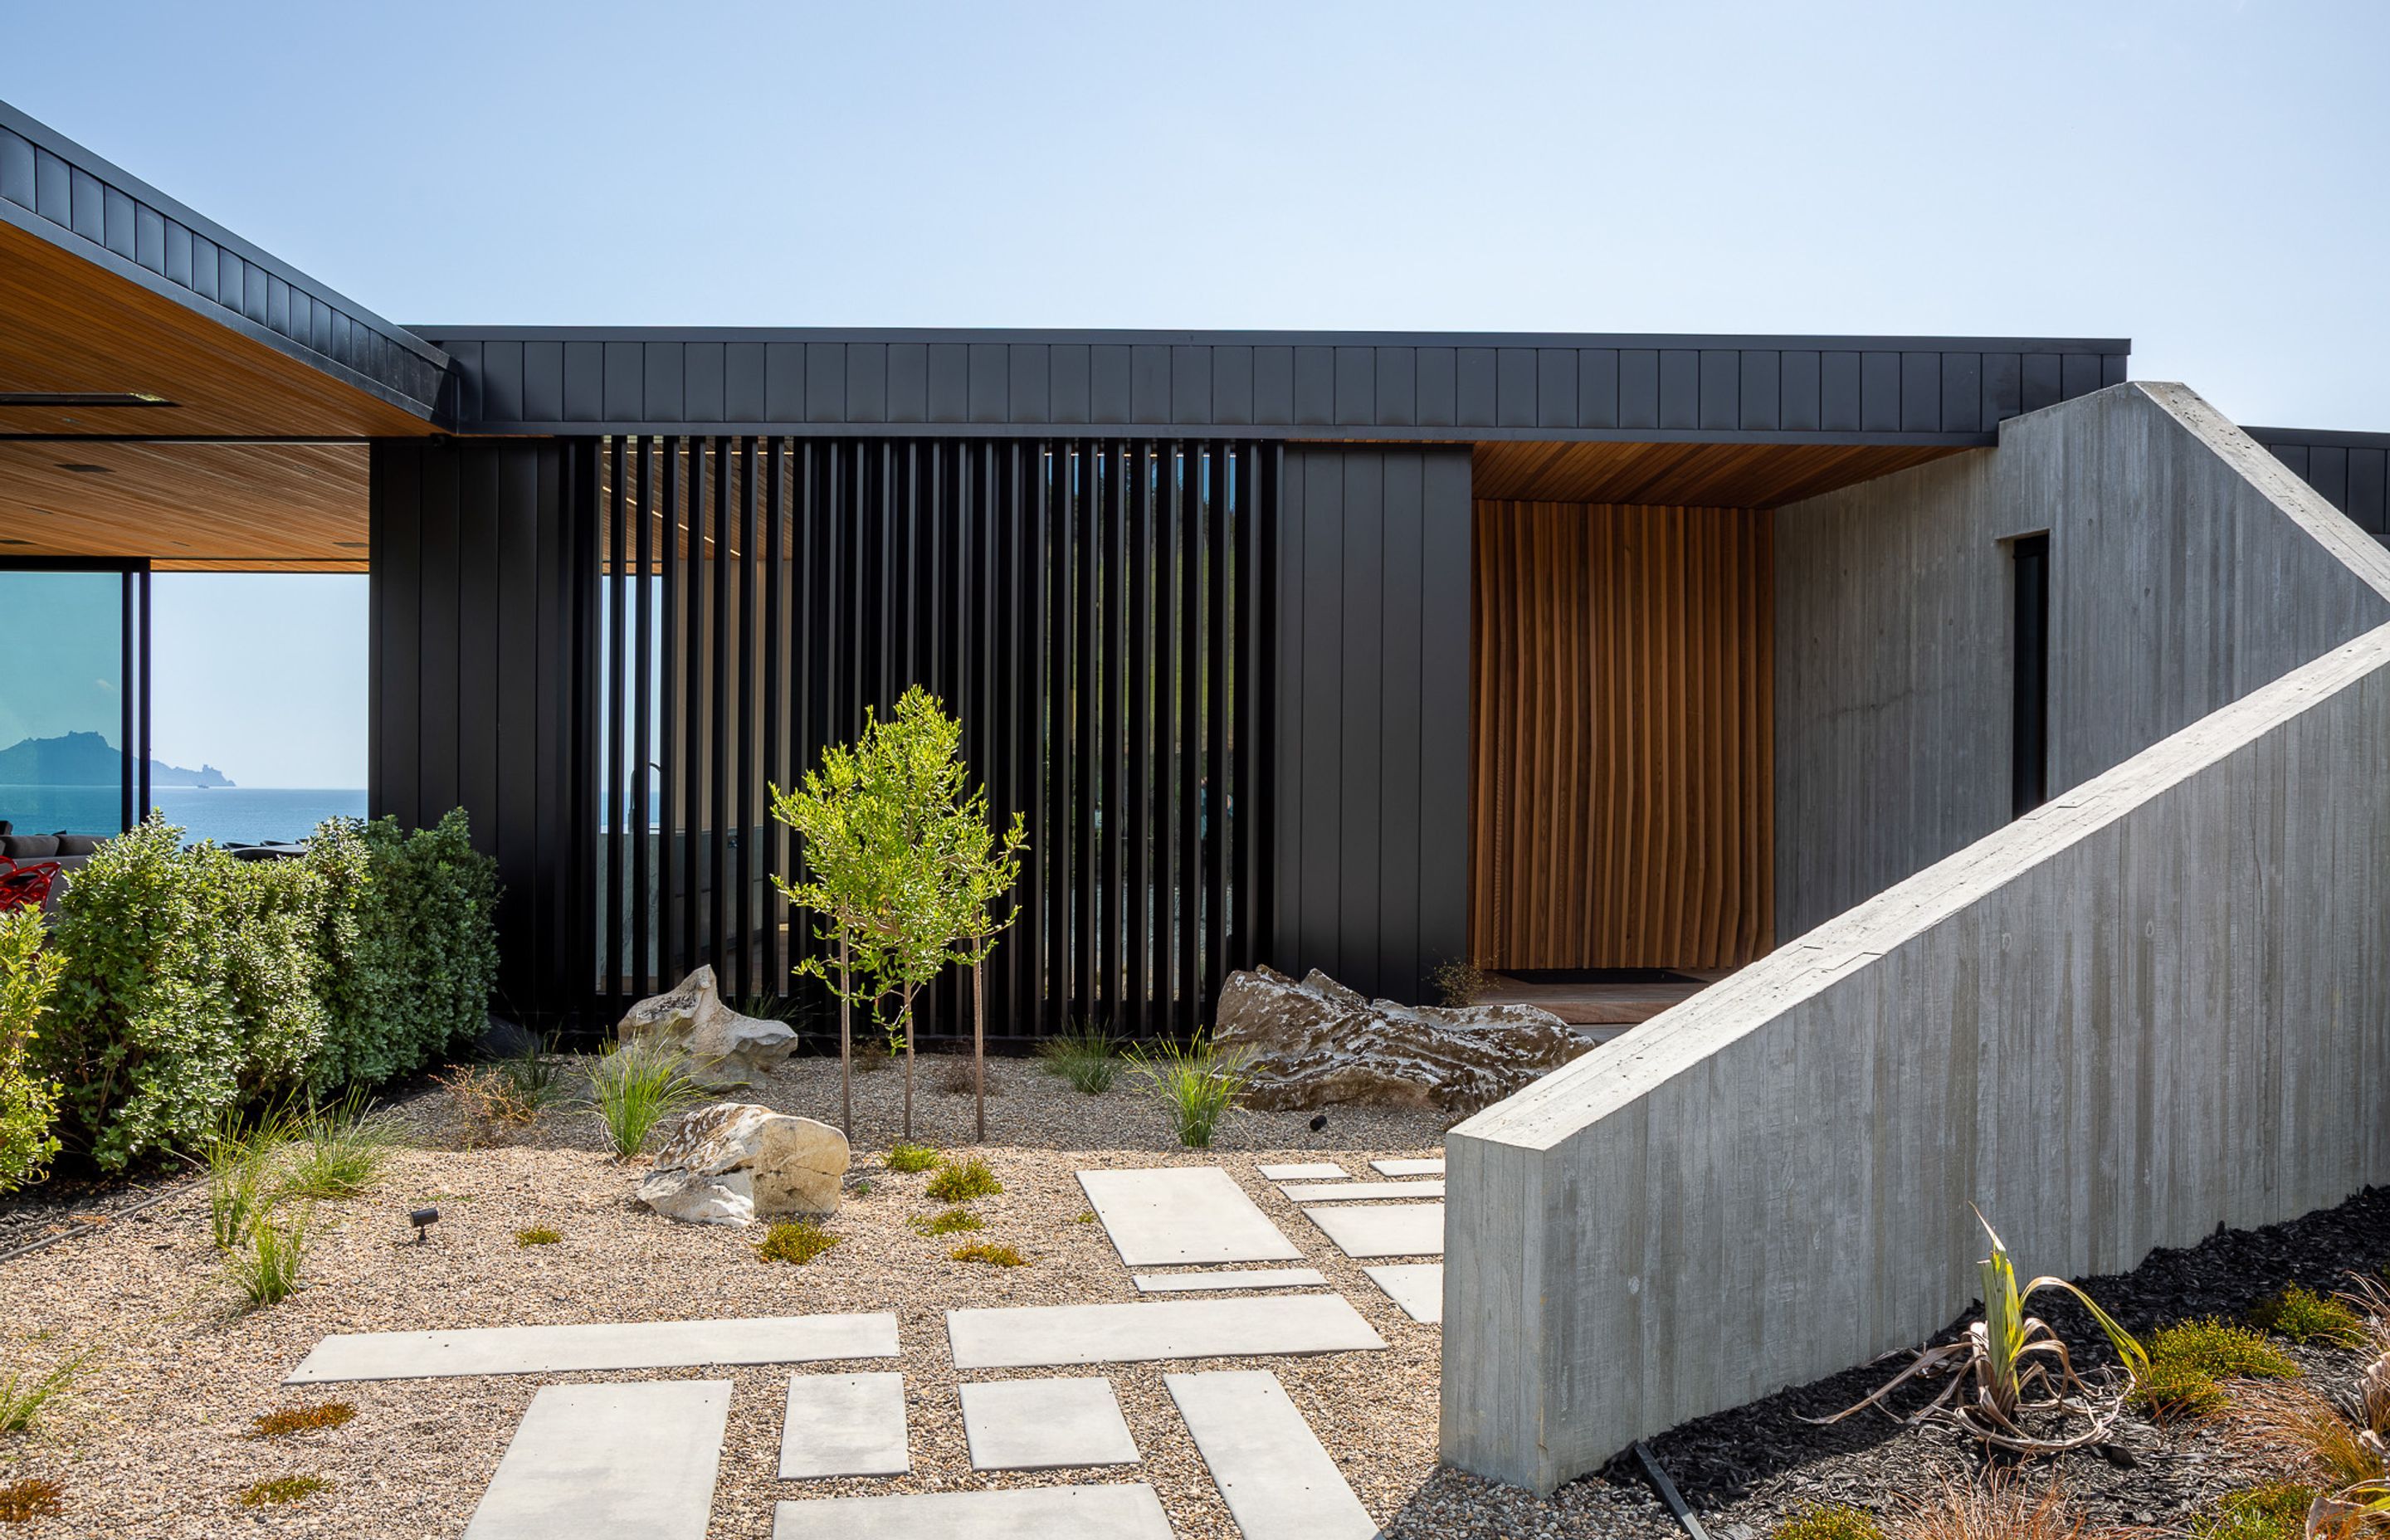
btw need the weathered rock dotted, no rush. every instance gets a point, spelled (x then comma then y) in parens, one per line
(1317, 1042)
(722, 1046)
(735, 1162)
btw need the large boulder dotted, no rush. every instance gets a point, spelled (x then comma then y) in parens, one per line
(722, 1046)
(735, 1162)
(1317, 1042)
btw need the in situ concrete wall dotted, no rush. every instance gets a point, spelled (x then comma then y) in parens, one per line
(2160, 1002)
(2187, 567)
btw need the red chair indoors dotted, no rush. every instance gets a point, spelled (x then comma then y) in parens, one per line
(23, 885)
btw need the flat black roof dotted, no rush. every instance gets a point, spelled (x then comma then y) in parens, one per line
(60, 192)
(1633, 387)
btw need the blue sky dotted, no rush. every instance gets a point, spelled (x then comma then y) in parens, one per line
(2203, 178)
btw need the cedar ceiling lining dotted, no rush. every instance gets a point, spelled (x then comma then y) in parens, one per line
(1695, 475)
(187, 506)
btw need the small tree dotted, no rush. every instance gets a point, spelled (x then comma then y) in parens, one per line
(979, 869)
(899, 856)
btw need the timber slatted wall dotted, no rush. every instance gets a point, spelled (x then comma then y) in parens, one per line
(1092, 612)
(1624, 737)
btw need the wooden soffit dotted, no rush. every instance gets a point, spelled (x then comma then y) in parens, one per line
(1697, 475)
(186, 506)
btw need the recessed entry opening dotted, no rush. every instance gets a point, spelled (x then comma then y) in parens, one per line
(2029, 674)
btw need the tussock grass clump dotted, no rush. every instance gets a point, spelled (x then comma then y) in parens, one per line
(346, 1147)
(993, 1256)
(960, 1181)
(24, 1393)
(2292, 1425)
(2303, 1316)
(1085, 1055)
(795, 1242)
(637, 1087)
(1458, 985)
(1197, 1084)
(265, 1269)
(945, 1222)
(2273, 1512)
(281, 1489)
(301, 1419)
(537, 1234)
(34, 1498)
(490, 1099)
(243, 1180)
(2189, 1358)
(1828, 1521)
(2000, 1510)
(911, 1158)
(1084, 1216)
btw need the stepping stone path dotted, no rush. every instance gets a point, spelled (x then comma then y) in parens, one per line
(1409, 1168)
(629, 1462)
(1316, 1171)
(1183, 1214)
(605, 1345)
(1280, 1483)
(845, 1425)
(1044, 1425)
(1342, 1192)
(1366, 1230)
(1253, 1277)
(1058, 1335)
(1418, 1287)
(1119, 1513)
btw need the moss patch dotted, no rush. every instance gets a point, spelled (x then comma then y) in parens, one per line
(993, 1256)
(2278, 1512)
(281, 1489)
(1828, 1521)
(301, 1419)
(945, 1222)
(34, 1498)
(538, 1235)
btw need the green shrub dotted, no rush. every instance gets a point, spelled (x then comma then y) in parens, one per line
(1197, 1083)
(28, 1102)
(2277, 1513)
(911, 1157)
(2220, 1350)
(1086, 1055)
(637, 1087)
(409, 935)
(945, 1222)
(795, 1242)
(993, 1256)
(2305, 1315)
(2175, 1391)
(1828, 1521)
(960, 1181)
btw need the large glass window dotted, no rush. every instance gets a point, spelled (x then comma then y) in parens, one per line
(69, 700)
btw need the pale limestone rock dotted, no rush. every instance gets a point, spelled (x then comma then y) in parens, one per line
(733, 1163)
(723, 1047)
(1317, 1042)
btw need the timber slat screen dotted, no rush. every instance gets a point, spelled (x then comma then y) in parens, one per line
(1624, 804)
(1087, 609)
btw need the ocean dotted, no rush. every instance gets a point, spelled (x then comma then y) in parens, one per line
(229, 814)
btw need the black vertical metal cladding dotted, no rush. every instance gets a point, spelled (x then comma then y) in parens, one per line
(672, 941)
(1141, 548)
(718, 725)
(617, 826)
(1200, 637)
(773, 851)
(643, 658)
(746, 768)
(1156, 788)
(695, 569)
(1217, 699)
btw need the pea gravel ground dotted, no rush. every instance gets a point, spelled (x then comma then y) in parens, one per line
(154, 1440)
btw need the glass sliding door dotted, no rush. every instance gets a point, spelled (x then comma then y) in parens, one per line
(75, 705)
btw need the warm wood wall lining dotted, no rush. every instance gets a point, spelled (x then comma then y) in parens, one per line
(1624, 737)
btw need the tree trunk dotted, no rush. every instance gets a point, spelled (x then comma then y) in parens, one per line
(979, 1052)
(908, 1071)
(845, 1045)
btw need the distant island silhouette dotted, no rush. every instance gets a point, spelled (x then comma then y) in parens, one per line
(87, 759)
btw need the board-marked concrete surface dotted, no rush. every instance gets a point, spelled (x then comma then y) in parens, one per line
(1056, 1335)
(1183, 1215)
(845, 1425)
(603, 1345)
(1280, 1483)
(1126, 1511)
(1045, 1424)
(628, 1462)
(1367, 1230)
